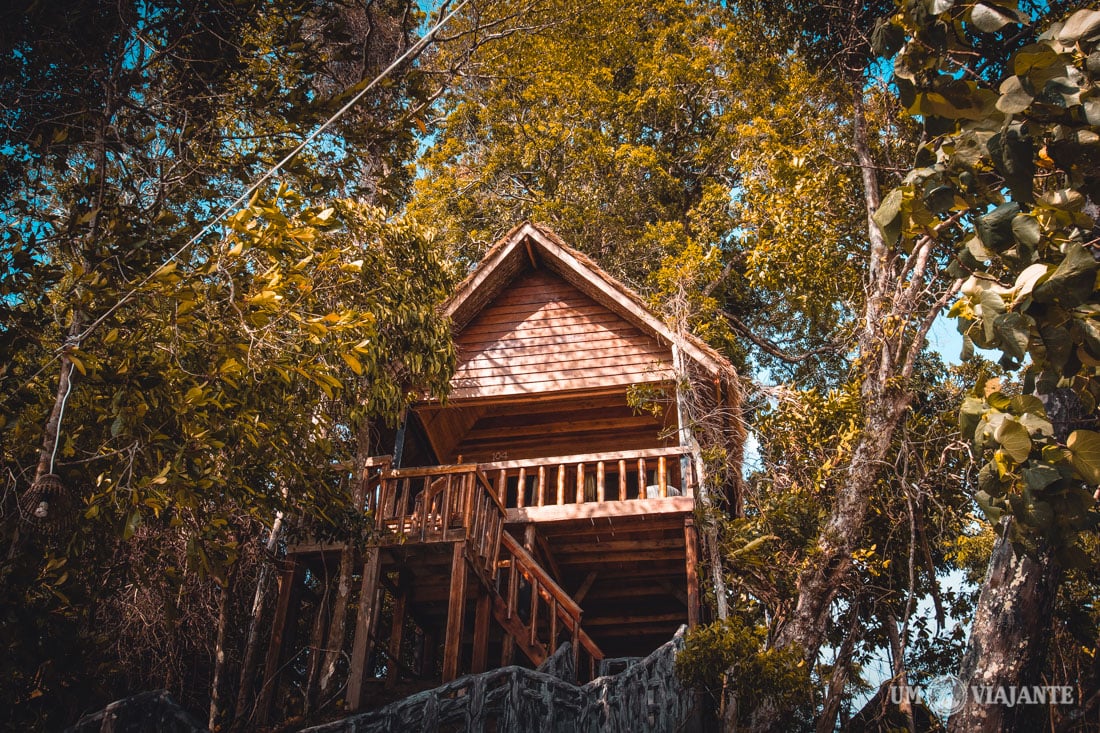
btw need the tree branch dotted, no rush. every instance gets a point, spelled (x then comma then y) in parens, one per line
(769, 346)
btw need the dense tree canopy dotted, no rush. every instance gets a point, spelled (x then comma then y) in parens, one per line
(758, 170)
(208, 377)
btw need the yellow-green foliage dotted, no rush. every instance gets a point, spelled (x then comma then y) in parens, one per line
(730, 655)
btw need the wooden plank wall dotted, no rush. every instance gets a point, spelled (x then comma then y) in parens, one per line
(542, 334)
(539, 428)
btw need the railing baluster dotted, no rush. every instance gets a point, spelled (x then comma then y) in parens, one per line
(662, 479)
(496, 545)
(502, 487)
(476, 519)
(445, 510)
(402, 502)
(469, 487)
(513, 587)
(553, 626)
(425, 509)
(641, 478)
(534, 610)
(600, 477)
(542, 485)
(561, 484)
(384, 490)
(521, 489)
(622, 480)
(580, 483)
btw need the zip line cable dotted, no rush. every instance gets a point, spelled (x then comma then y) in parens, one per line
(411, 51)
(414, 49)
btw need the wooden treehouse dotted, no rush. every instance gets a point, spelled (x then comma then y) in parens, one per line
(534, 507)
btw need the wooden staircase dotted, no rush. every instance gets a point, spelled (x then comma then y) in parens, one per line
(421, 506)
(550, 610)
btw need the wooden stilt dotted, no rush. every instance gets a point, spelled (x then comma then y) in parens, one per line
(481, 631)
(575, 647)
(316, 644)
(690, 563)
(393, 669)
(452, 644)
(366, 618)
(286, 613)
(428, 655)
(334, 646)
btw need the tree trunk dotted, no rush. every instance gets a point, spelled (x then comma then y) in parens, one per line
(899, 671)
(885, 360)
(338, 625)
(219, 657)
(838, 680)
(337, 630)
(1007, 643)
(317, 647)
(251, 656)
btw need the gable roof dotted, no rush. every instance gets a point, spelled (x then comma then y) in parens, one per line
(531, 245)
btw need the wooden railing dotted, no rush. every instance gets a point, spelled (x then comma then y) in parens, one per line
(439, 504)
(536, 624)
(595, 477)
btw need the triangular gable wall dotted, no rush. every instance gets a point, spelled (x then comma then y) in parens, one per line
(530, 248)
(542, 334)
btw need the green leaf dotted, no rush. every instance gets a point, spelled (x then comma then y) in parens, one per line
(999, 401)
(1039, 477)
(970, 413)
(992, 305)
(1090, 332)
(989, 19)
(939, 199)
(887, 38)
(1014, 439)
(1082, 24)
(985, 503)
(888, 216)
(1024, 403)
(1066, 199)
(132, 523)
(1014, 330)
(1084, 451)
(1013, 156)
(1015, 98)
(1027, 280)
(995, 228)
(353, 362)
(1058, 344)
(1072, 282)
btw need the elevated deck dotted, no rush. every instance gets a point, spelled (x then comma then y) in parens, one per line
(499, 563)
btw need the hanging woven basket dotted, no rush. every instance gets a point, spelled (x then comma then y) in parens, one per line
(48, 506)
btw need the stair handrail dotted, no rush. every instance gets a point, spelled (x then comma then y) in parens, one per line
(567, 608)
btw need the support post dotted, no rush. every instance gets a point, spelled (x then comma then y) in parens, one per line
(690, 562)
(481, 631)
(452, 644)
(286, 615)
(393, 664)
(427, 655)
(366, 619)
